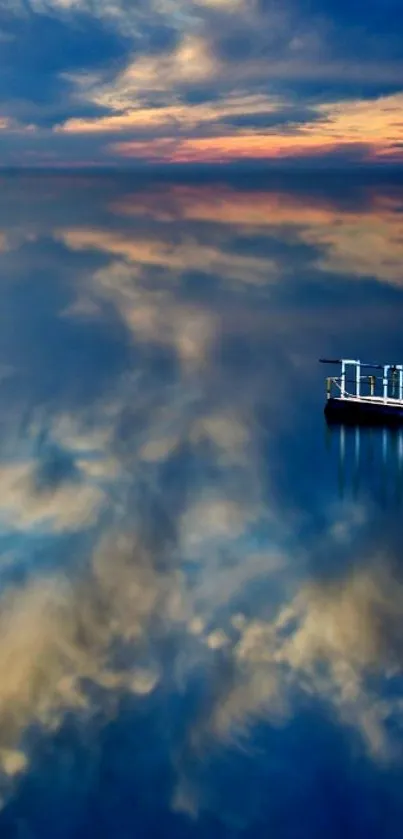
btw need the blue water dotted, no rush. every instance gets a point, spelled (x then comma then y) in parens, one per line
(201, 604)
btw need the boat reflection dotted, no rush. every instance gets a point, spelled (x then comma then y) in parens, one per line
(369, 462)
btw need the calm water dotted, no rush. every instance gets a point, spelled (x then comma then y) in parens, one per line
(201, 603)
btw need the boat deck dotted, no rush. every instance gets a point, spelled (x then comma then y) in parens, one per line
(352, 405)
(369, 400)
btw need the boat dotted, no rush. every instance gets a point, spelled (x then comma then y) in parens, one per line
(364, 393)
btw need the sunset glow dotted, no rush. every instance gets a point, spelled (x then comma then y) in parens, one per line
(203, 81)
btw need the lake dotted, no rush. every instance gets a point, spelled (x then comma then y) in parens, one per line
(201, 602)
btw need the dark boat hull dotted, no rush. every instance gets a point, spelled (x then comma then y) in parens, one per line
(349, 412)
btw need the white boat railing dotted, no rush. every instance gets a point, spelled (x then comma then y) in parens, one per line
(386, 388)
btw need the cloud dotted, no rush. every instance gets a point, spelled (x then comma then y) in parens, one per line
(187, 555)
(187, 117)
(107, 624)
(370, 128)
(57, 634)
(215, 519)
(364, 246)
(364, 243)
(155, 317)
(66, 507)
(147, 252)
(352, 627)
(331, 644)
(39, 91)
(74, 641)
(215, 80)
(189, 61)
(310, 40)
(103, 624)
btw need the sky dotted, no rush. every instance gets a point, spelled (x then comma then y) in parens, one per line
(147, 82)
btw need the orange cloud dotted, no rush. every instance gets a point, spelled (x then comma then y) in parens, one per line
(231, 148)
(364, 242)
(368, 242)
(188, 255)
(375, 127)
(177, 114)
(191, 62)
(224, 205)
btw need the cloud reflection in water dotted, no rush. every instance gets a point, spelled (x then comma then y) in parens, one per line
(173, 548)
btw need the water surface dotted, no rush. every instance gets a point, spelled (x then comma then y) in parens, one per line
(201, 585)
